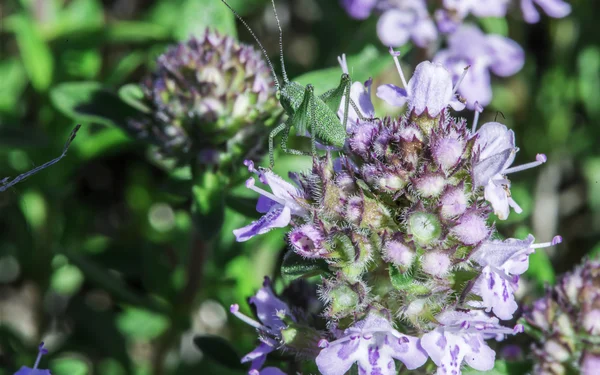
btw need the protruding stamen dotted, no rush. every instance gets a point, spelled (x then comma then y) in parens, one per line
(250, 185)
(343, 63)
(397, 62)
(250, 164)
(235, 310)
(478, 110)
(555, 241)
(41, 352)
(519, 328)
(539, 160)
(462, 76)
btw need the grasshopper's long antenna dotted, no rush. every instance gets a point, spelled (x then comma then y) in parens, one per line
(258, 42)
(285, 78)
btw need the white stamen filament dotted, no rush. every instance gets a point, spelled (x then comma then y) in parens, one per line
(37, 360)
(397, 62)
(251, 186)
(234, 309)
(555, 241)
(462, 76)
(343, 63)
(478, 110)
(541, 159)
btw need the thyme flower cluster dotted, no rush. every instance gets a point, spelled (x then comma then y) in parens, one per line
(401, 220)
(566, 323)
(209, 98)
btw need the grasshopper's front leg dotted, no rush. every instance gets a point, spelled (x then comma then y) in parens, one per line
(285, 126)
(333, 97)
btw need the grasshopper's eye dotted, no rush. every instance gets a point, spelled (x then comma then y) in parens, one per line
(278, 94)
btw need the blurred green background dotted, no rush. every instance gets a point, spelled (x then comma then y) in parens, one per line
(99, 256)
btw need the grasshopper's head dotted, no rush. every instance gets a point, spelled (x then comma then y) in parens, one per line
(290, 96)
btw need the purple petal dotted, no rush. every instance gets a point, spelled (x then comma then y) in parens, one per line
(554, 8)
(338, 358)
(481, 356)
(359, 9)
(271, 371)
(280, 187)
(497, 253)
(29, 371)
(476, 86)
(392, 94)
(277, 217)
(430, 88)
(530, 14)
(494, 138)
(267, 305)
(424, 32)
(496, 293)
(434, 343)
(408, 350)
(507, 56)
(264, 204)
(259, 355)
(490, 8)
(394, 27)
(485, 170)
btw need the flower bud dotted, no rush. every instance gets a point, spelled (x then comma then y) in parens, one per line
(424, 227)
(436, 263)
(344, 299)
(307, 241)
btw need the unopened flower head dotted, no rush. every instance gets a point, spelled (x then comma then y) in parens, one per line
(210, 98)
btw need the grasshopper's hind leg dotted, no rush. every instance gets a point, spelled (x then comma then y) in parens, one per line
(272, 135)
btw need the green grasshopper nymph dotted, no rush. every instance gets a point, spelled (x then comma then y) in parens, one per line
(307, 112)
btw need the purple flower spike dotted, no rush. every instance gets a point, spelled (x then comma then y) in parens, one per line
(278, 206)
(429, 89)
(24, 370)
(372, 343)
(461, 337)
(553, 8)
(502, 262)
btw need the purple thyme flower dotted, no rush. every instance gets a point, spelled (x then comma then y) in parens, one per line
(269, 310)
(373, 343)
(429, 89)
(360, 95)
(359, 9)
(553, 8)
(407, 19)
(461, 336)
(494, 152)
(24, 370)
(469, 46)
(266, 371)
(278, 206)
(502, 262)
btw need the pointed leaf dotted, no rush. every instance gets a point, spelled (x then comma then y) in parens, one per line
(295, 267)
(219, 350)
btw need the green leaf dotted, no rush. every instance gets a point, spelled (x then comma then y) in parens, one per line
(14, 80)
(219, 350)
(69, 366)
(110, 282)
(141, 324)
(368, 63)
(136, 32)
(588, 63)
(89, 101)
(294, 267)
(35, 53)
(133, 95)
(66, 280)
(196, 16)
(500, 368)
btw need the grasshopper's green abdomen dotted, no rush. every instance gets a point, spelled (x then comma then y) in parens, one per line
(329, 129)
